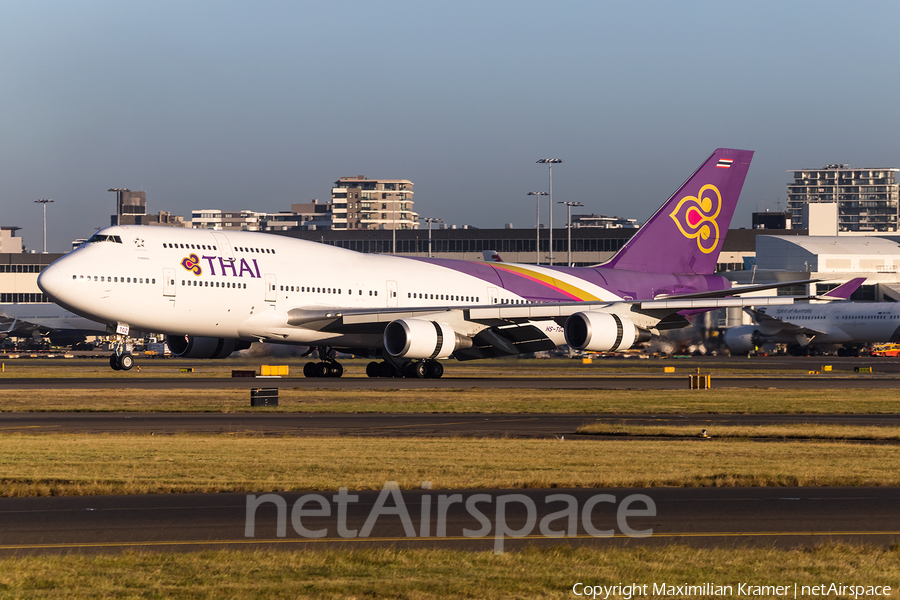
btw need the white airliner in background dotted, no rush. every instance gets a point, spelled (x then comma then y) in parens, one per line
(215, 292)
(45, 318)
(844, 326)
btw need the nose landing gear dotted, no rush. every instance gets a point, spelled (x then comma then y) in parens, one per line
(121, 359)
(121, 362)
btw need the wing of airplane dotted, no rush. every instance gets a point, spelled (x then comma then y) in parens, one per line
(505, 329)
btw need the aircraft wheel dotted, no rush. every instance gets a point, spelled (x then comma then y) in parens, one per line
(309, 369)
(434, 369)
(385, 369)
(417, 370)
(126, 361)
(372, 369)
(322, 369)
(336, 369)
(114, 362)
(406, 369)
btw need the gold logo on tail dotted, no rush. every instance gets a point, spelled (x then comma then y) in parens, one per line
(695, 217)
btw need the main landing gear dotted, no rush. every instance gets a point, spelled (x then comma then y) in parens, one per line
(328, 367)
(422, 369)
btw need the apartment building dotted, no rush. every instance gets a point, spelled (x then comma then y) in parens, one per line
(868, 199)
(361, 203)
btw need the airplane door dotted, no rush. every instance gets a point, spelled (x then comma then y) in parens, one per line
(169, 282)
(392, 299)
(493, 295)
(270, 287)
(224, 246)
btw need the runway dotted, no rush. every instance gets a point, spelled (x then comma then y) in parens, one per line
(731, 517)
(516, 425)
(781, 372)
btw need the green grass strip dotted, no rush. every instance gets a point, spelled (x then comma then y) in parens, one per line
(433, 574)
(80, 464)
(800, 431)
(469, 400)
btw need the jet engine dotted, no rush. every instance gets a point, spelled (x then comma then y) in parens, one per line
(742, 339)
(189, 346)
(603, 332)
(418, 338)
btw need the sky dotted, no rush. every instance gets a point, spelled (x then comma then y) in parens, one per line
(240, 105)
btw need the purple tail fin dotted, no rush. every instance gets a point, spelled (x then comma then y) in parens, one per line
(686, 234)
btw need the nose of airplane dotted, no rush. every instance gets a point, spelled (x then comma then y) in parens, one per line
(50, 280)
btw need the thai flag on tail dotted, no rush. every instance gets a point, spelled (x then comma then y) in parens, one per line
(724, 163)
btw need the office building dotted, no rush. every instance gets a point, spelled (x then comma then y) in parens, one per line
(308, 216)
(131, 209)
(9, 243)
(772, 220)
(604, 222)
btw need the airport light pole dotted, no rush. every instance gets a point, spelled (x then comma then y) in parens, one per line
(431, 220)
(537, 226)
(569, 206)
(550, 162)
(44, 202)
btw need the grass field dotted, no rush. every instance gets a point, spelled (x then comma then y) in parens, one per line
(469, 400)
(426, 574)
(793, 431)
(72, 464)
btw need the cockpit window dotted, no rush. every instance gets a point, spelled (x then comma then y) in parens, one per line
(97, 237)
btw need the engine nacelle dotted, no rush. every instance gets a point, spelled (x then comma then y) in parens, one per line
(418, 338)
(189, 346)
(742, 339)
(603, 332)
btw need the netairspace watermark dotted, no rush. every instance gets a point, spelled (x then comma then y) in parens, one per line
(557, 524)
(629, 591)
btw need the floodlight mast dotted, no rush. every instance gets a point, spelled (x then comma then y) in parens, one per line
(569, 206)
(44, 202)
(537, 226)
(550, 162)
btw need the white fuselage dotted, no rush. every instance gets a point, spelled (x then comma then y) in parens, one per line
(838, 322)
(243, 284)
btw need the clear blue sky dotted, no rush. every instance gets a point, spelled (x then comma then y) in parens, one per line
(257, 105)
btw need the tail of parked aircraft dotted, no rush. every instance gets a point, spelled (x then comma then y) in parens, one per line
(843, 291)
(686, 234)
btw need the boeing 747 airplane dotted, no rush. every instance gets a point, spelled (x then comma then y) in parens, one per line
(214, 292)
